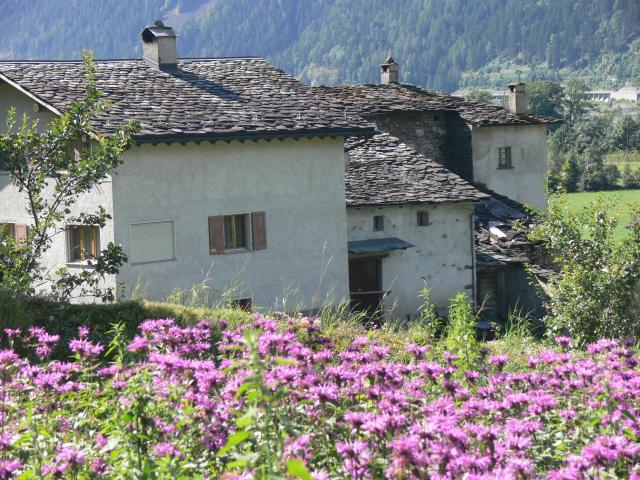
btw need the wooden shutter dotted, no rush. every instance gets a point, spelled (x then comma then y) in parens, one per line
(216, 235)
(21, 234)
(259, 230)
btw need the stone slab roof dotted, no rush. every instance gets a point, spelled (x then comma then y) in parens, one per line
(377, 99)
(498, 242)
(202, 98)
(384, 171)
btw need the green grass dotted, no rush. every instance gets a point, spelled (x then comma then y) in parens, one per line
(625, 202)
(621, 159)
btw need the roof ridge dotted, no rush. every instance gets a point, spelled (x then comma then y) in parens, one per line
(113, 60)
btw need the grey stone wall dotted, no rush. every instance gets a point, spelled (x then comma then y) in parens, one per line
(440, 136)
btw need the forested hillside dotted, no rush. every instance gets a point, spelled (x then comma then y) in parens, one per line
(441, 44)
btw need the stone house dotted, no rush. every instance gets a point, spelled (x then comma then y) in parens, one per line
(410, 224)
(236, 174)
(242, 174)
(501, 151)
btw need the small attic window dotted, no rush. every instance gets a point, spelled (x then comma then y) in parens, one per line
(378, 223)
(423, 218)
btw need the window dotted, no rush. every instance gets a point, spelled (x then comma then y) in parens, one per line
(504, 157)
(152, 242)
(243, 304)
(423, 219)
(83, 242)
(8, 230)
(238, 232)
(378, 223)
(235, 232)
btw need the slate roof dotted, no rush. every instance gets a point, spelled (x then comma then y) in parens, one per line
(384, 171)
(499, 243)
(204, 98)
(376, 99)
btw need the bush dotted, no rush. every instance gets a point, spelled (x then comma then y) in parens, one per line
(594, 296)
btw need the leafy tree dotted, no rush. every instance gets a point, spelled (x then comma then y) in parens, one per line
(575, 103)
(479, 95)
(51, 174)
(570, 174)
(594, 295)
(545, 98)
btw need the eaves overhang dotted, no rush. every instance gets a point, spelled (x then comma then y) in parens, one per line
(32, 96)
(254, 136)
(426, 202)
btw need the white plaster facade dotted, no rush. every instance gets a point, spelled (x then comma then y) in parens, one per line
(442, 256)
(525, 181)
(299, 184)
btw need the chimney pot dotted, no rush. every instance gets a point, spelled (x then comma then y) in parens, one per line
(389, 71)
(518, 102)
(159, 46)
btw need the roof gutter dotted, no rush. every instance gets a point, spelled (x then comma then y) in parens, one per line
(33, 97)
(243, 136)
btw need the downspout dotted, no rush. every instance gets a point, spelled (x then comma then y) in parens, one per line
(473, 257)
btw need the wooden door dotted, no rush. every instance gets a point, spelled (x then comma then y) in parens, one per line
(365, 284)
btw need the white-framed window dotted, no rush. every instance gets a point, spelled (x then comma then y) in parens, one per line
(83, 243)
(504, 157)
(152, 242)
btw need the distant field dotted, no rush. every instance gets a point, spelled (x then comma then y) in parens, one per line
(626, 201)
(620, 159)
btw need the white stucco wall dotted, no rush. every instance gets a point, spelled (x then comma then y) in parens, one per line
(442, 256)
(10, 97)
(300, 186)
(526, 180)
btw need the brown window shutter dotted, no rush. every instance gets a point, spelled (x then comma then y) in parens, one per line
(259, 230)
(216, 235)
(21, 234)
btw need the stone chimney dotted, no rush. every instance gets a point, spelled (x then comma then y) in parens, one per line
(159, 46)
(389, 71)
(518, 102)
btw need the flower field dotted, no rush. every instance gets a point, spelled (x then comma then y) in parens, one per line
(278, 400)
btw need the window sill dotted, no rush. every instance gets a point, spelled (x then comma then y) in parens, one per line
(231, 251)
(154, 261)
(84, 264)
(504, 168)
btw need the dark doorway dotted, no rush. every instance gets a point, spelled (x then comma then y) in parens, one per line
(487, 294)
(365, 284)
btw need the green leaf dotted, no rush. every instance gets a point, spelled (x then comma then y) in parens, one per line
(298, 469)
(232, 441)
(247, 419)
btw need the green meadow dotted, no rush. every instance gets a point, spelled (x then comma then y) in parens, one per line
(625, 202)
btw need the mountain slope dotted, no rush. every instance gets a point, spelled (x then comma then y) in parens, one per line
(336, 41)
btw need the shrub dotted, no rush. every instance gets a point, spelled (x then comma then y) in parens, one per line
(594, 296)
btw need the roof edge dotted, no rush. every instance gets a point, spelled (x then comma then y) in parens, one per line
(396, 204)
(32, 96)
(216, 137)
